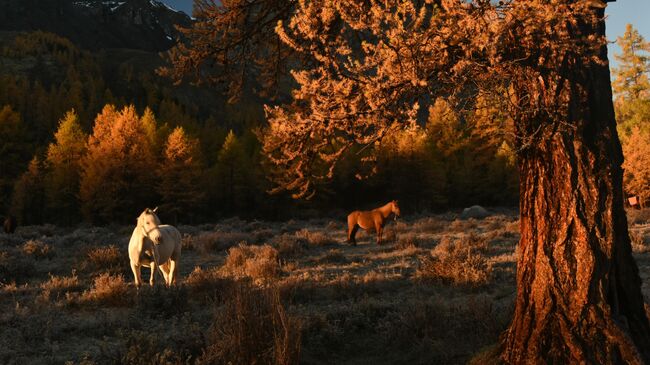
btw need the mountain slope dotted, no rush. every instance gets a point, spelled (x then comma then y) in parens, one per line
(93, 24)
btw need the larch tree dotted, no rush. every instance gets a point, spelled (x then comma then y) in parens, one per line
(372, 67)
(631, 76)
(119, 170)
(180, 176)
(28, 197)
(231, 171)
(63, 169)
(631, 83)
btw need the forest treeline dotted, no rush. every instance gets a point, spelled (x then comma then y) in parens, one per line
(76, 147)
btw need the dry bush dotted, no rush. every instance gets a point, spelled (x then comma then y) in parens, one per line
(207, 284)
(407, 241)
(58, 286)
(253, 327)
(457, 261)
(37, 249)
(257, 262)
(15, 268)
(208, 242)
(639, 244)
(107, 258)
(461, 225)
(638, 216)
(108, 289)
(187, 242)
(389, 236)
(428, 225)
(289, 245)
(316, 238)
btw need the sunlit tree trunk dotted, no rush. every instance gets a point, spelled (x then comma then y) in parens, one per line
(579, 294)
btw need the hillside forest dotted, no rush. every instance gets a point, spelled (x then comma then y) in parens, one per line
(95, 137)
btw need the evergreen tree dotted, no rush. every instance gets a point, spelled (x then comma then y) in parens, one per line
(63, 169)
(631, 77)
(180, 176)
(13, 152)
(231, 172)
(28, 199)
(636, 165)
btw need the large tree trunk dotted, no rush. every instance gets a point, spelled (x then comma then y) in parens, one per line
(579, 294)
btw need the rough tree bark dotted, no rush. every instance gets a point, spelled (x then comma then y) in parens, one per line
(579, 294)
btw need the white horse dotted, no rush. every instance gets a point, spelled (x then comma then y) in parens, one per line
(155, 246)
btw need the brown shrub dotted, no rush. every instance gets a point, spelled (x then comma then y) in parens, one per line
(208, 242)
(428, 225)
(638, 216)
(108, 289)
(289, 245)
(409, 240)
(37, 249)
(639, 244)
(58, 286)
(207, 284)
(316, 238)
(252, 328)
(460, 225)
(257, 262)
(106, 258)
(459, 262)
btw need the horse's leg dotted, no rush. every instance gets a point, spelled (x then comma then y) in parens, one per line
(136, 274)
(352, 232)
(164, 269)
(379, 227)
(172, 271)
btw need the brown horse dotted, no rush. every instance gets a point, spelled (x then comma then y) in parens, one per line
(369, 220)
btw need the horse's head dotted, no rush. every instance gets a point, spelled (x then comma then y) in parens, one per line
(395, 208)
(148, 222)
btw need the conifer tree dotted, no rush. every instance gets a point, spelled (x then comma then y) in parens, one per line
(231, 172)
(180, 176)
(13, 152)
(631, 76)
(63, 169)
(119, 169)
(28, 198)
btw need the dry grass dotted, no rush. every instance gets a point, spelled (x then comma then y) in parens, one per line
(37, 249)
(638, 216)
(57, 287)
(109, 290)
(639, 243)
(260, 263)
(316, 238)
(253, 328)
(457, 261)
(208, 284)
(106, 258)
(208, 242)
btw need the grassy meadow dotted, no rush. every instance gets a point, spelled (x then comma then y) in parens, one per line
(438, 291)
